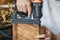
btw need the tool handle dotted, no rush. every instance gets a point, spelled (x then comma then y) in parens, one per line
(37, 10)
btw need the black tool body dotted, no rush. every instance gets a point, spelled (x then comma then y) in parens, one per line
(23, 18)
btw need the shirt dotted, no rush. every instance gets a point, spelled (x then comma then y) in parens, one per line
(51, 15)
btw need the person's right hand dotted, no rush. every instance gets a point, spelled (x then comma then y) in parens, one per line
(24, 6)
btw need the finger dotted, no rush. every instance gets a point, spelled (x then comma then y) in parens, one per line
(29, 10)
(41, 36)
(18, 8)
(25, 9)
(47, 38)
(21, 8)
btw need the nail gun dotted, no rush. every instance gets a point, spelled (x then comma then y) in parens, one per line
(23, 18)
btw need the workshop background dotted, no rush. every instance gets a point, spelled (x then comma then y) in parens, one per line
(5, 24)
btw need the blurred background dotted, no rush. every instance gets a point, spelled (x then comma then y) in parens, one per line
(5, 24)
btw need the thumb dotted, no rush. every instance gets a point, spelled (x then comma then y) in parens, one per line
(29, 10)
(40, 36)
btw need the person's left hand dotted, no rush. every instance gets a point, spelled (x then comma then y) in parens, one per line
(46, 36)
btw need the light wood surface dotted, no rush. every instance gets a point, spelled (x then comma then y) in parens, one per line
(25, 32)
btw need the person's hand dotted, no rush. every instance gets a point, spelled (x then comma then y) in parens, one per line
(46, 36)
(24, 6)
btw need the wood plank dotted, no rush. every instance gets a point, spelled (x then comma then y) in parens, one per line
(25, 31)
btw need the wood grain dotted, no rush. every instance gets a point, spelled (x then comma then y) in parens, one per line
(25, 32)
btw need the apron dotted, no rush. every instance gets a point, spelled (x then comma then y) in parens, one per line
(51, 15)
